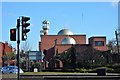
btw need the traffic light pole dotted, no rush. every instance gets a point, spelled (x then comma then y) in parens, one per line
(18, 43)
(24, 36)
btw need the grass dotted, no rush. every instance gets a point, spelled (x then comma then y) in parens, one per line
(33, 73)
(42, 73)
(9, 75)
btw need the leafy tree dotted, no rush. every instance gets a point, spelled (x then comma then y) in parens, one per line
(7, 57)
(72, 58)
(37, 64)
(92, 57)
(87, 58)
(56, 57)
(13, 56)
(69, 58)
(64, 57)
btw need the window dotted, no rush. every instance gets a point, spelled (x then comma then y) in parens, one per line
(99, 43)
(32, 57)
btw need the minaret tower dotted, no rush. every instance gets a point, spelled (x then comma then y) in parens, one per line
(45, 26)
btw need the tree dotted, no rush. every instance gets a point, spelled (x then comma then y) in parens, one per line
(72, 59)
(6, 57)
(112, 46)
(92, 57)
(23, 54)
(26, 47)
(69, 58)
(57, 59)
(115, 50)
(65, 57)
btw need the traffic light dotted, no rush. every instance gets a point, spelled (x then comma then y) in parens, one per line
(13, 34)
(24, 27)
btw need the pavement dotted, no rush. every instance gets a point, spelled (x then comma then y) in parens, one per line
(73, 76)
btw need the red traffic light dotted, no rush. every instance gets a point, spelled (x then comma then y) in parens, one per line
(13, 34)
(13, 31)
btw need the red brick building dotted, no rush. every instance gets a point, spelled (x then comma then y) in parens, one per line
(98, 42)
(65, 39)
(5, 48)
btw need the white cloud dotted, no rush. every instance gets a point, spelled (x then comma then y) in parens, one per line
(115, 3)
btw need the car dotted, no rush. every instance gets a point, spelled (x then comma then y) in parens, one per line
(0, 69)
(10, 69)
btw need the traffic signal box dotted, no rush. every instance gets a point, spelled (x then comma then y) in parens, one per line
(24, 27)
(13, 34)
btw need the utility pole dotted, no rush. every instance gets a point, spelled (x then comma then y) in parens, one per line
(117, 41)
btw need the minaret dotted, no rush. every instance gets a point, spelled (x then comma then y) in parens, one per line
(45, 26)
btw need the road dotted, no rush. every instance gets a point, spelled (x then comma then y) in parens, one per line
(66, 76)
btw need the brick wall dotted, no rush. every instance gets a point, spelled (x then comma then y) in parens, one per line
(92, 43)
(4, 47)
(8, 48)
(1, 51)
(62, 48)
(48, 41)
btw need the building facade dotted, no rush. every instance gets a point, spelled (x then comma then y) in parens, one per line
(64, 40)
(5, 49)
(35, 55)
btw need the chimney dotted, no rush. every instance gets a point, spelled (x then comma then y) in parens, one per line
(6, 46)
(6, 43)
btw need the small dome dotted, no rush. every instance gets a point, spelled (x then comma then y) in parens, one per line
(45, 22)
(65, 32)
(68, 40)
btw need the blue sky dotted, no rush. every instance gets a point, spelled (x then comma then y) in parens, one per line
(90, 18)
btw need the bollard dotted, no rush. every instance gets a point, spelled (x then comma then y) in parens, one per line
(101, 72)
(35, 70)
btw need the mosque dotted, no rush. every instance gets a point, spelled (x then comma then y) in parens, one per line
(64, 40)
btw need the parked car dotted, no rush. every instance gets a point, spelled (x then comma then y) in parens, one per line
(0, 69)
(10, 69)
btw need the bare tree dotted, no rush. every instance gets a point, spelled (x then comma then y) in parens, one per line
(112, 45)
(26, 46)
